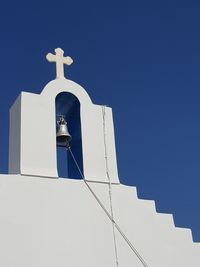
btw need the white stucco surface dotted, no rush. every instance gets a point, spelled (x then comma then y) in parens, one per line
(57, 222)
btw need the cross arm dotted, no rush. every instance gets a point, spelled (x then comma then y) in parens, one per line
(67, 60)
(50, 57)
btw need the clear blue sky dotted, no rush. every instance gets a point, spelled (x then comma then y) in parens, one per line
(142, 58)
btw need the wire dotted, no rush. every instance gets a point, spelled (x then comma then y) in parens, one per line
(110, 186)
(107, 213)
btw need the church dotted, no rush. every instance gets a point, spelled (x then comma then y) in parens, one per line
(88, 219)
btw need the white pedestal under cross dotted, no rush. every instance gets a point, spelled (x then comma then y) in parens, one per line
(60, 61)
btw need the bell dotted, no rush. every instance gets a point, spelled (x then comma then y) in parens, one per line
(63, 136)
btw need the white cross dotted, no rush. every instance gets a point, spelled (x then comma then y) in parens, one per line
(60, 61)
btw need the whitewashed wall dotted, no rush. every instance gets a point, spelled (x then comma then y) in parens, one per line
(57, 222)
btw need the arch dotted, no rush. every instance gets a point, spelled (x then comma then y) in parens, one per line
(55, 87)
(68, 105)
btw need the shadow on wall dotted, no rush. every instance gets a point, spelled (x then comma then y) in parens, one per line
(68, 105)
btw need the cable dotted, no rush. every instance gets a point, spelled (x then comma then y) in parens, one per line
(107, 213)
(110, 186)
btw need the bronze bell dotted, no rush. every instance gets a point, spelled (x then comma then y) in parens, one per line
(63, 136)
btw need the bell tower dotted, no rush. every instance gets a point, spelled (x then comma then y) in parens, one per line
(34, 136)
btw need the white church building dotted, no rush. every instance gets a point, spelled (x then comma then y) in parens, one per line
(89, 219)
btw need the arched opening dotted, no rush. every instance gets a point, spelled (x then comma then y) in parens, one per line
(68, 105)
